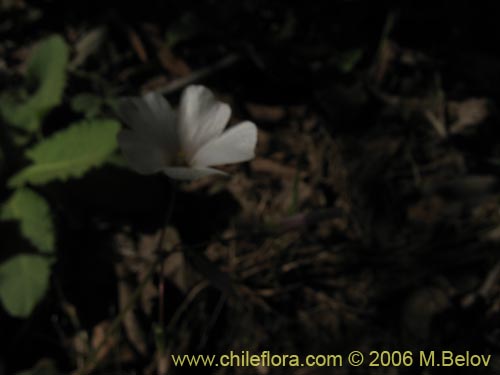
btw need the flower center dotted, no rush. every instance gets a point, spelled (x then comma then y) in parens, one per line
(179, 159)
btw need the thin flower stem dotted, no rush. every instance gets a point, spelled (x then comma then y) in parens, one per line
(159, 329)
(93, 358)
(161, 282)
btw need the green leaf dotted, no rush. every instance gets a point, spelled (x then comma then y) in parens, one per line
(20, 115)
(348, 60)
(69, 153)
(23, 282)
(88, 104)
(47, 66)
(33, 214)
(47, 69)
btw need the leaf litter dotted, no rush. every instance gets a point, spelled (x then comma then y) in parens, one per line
(350, 230)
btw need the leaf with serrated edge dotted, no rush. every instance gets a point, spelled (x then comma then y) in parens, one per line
(33, 214)
(47, 67)
(23, 282)
(69, 153)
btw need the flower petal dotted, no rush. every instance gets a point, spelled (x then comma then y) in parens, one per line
(141, 155)
(187, 173)
(235, 145)
(153, 117)
(201, 118)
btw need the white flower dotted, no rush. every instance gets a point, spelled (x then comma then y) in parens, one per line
(184, 145)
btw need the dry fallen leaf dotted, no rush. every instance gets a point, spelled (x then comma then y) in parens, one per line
(102, 341)
(270, 113)
(269, 166)
(467, 113)
(137, 45)
(87, 45)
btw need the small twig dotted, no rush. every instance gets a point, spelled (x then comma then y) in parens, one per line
(379, 65)
(438, 125)
(198, 75)
(211, 323)
(303, 220)
(193, 293)
(491, 279)
(485, 288)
